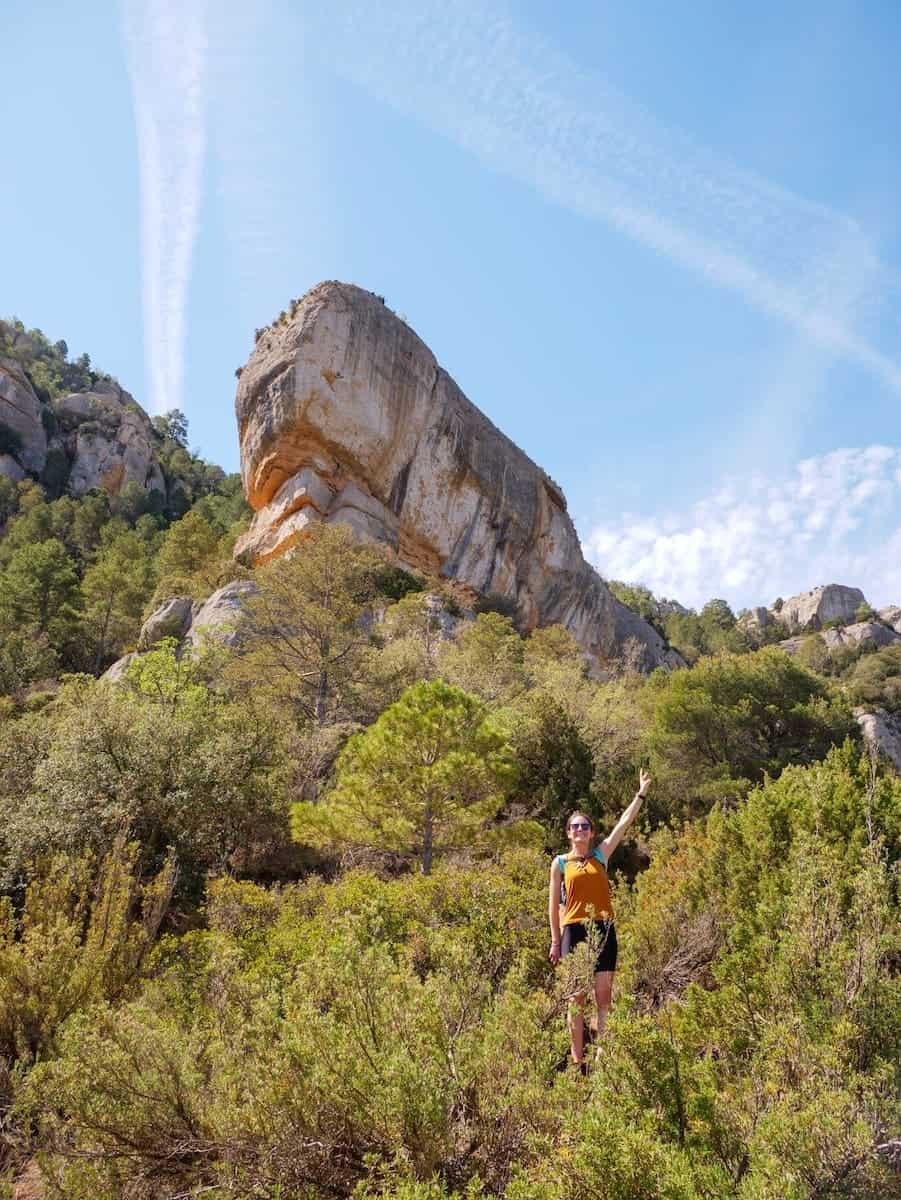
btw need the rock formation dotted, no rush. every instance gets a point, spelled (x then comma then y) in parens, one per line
(755, 621)
(23, 440)
(77, 442)
(891, 616)
(344, 414)
(883, 730)
(858, 634)
(171, 619)
(108, 441)
(190, 622)
(812, 610)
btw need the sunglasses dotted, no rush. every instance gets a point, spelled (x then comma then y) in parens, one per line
(580, 825)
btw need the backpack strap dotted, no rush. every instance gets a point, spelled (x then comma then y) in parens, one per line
(561, 863)
(599, 855)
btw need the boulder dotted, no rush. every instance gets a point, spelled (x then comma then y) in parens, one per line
(756, 618)
(891, 616)
(344, 414)
(171, 619)
(792, 645)
(859, 633)
(754, 622)
(116, 673)
(21, 427)
(882, 729)
(191, 623)
(218, 617)
(812, 610)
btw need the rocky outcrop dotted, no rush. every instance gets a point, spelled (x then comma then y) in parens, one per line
(74, 443)
(171, 619)
(861, 633)
(812, 610)
(754, 622)
(891, 616)
(22, 434)
(191, 623)
(218, 617)
(10, 469)
(345, 415)
(108, 441)
(883, 730)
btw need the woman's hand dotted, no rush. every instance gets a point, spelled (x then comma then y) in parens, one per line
(644, 782)
(554, 952)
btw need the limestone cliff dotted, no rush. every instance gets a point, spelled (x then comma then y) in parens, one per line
(74, 441)
(344, 414)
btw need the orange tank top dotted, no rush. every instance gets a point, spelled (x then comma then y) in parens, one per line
(586, 889)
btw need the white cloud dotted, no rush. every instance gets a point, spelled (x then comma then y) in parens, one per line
(524, 109)
(167, 56)
(834, 519)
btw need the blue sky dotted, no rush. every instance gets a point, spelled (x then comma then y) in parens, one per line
(658, 244)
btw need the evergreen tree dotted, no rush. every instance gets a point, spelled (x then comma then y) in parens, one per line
(304, 634)
(39, 587)
(115, 589)
(425, 779)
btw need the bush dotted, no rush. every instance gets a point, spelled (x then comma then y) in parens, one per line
(394, 582)
(732, 719)
(82, 936)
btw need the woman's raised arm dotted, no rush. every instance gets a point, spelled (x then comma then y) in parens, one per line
(613, 839)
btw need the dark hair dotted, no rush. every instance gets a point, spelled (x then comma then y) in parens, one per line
(577, 812)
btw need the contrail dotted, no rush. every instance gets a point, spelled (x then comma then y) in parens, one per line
(166, 44)
(524, 109)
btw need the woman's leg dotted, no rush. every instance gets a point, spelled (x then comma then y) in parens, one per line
(603, 994)
(576, 1022)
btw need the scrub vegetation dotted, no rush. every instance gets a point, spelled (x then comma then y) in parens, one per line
(273, 916)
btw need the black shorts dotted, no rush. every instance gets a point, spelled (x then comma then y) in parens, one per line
(573, 934)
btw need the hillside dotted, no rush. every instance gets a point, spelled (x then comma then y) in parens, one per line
(274, 854)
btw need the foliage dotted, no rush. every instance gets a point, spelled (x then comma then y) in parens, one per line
(875, 679)
(393, 1032)
(39, 587)
(194, 559)
(640, 600)
(394, 582)
(719, 728)
(163, 757)
(303, 633)
(82, 935)
(114, 591)
(554, 761)
(400, 1038)
(710, 632)
(26, 656)
(427, 778)
(46, 363)
(486, 658)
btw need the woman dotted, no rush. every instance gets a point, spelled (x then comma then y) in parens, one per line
(579, 902)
